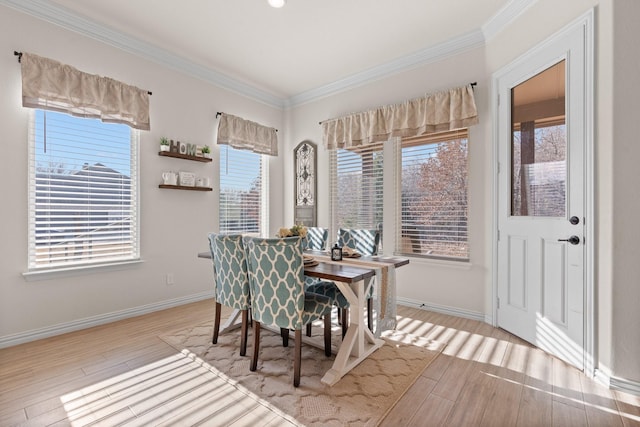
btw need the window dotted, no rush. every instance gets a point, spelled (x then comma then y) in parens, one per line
(242, 182)
(433, 208)
(83, 201)
(430, 203)
(356, 180)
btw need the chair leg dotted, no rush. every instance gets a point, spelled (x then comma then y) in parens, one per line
(284, 333)
(243, 333)
(327, 334)
(216, 324)
(370, 313)
(308, 329)
(345, 320)
(297, 358)
(256, 345)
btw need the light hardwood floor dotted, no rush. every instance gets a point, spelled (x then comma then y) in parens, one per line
(123, 374)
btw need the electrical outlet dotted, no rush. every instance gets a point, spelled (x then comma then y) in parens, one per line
(170, 280)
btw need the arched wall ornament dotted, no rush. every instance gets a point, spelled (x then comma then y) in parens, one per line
(305, 183)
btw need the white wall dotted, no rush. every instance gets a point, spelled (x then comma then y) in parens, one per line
(183, 107)
(468, 290)
(626, 196)
(174, 224)
(617, 63)
(444, 285)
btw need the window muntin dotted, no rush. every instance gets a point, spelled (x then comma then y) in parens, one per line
(242, 204)
(83, 199)
(434, 204)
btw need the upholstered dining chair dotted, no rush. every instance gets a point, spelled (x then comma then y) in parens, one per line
(231, 279)
(316, 239)
(278, 297)
(365, 242)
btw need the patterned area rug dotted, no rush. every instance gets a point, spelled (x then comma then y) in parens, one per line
(361, 398)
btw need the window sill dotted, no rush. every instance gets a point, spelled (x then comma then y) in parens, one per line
(440, 262)
(56, 273)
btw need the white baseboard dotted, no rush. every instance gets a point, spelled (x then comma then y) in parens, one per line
(452, 311)
(631, 387)
(616, 383)
(76, 325)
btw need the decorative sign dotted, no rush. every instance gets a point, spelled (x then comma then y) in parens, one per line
(305, 183)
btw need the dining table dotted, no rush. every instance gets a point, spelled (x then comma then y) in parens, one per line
(354, 277)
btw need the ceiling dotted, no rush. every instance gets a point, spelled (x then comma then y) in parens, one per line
(287, 55)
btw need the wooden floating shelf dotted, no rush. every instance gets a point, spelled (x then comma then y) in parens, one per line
(184, 156)
(183, 187)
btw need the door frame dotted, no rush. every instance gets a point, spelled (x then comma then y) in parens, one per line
(584, 23)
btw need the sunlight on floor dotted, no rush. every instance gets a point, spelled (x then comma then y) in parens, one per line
(176, 390)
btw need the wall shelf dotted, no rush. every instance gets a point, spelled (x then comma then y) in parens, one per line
(183, 187)
(183, 156)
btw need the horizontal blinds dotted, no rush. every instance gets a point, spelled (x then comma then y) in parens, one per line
(241, 190)
(82, 191)
(356, 182)
(433, 209)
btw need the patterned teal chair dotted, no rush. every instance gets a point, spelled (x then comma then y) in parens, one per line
(316, 239)
(365, 242)
(231, 281)
(276, 278)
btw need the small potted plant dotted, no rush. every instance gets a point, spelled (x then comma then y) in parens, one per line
(164, 144)
(206, 151)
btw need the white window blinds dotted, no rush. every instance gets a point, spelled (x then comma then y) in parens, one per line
(433, 208)
(82, 191)
(242, 191)
(356, 187)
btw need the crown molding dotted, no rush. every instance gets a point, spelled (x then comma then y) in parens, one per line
(60, 16)
(504, 17)
(69, 20)
(435, 53)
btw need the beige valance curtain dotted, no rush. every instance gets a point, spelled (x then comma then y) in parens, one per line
(51, 85)
(247, 135)
(446, 110)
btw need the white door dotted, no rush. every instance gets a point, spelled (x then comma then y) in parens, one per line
(541, 197)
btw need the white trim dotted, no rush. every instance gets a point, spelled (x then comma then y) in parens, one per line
(451, 311)
(504, 17)
(66, 18)
(625, 385)
(431, 54)
(57, 273)
(76, 325)
(586, 22)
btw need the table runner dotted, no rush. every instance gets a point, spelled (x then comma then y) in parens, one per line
(384, 306)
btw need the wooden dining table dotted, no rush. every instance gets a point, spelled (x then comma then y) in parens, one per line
(354, 282)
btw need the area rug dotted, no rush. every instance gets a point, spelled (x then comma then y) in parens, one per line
(361, 398)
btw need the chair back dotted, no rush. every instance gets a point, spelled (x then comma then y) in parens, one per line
(276, 277)
(230, 270)
(316, 239)
(363, 241)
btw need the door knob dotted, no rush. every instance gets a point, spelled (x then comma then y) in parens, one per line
(574, 240)
(574, 220)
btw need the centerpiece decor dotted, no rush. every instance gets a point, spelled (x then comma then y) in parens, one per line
(296, 230)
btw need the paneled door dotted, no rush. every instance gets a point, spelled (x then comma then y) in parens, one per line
(541, 197)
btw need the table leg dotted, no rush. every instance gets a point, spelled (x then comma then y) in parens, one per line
(359, 342)
(233, 321)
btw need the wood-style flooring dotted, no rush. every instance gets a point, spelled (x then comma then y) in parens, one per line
(123, 374)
